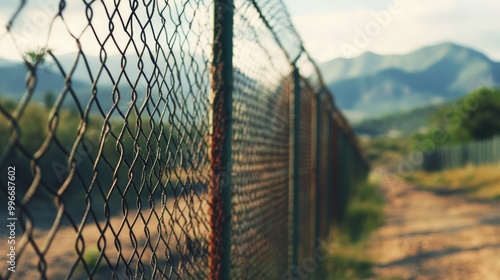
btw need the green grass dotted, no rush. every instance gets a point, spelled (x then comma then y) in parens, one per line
(479, 182)
(348, 242)
(91, 258)
(384, 150)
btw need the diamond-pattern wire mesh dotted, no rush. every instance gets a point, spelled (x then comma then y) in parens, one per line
(324, 167)
(262, 89)
(107, 117)
(112, 173)
(306, 184)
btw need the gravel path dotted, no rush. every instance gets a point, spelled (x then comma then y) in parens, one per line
(428, 235)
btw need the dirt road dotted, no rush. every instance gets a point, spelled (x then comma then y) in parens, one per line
(431, 235)
(167, 232)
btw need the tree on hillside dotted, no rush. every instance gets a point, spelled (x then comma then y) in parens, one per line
(474, 117)
(49, 99)
(484, 122)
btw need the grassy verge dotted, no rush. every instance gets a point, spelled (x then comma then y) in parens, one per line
(384, 150)
(348, 243)
(478, 182)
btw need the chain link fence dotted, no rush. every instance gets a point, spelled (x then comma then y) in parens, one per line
(183, 139)
(460, 155)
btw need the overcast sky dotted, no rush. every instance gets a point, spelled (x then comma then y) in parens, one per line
(330, 29)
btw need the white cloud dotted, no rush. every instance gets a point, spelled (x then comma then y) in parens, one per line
(420, 23)
(38, 25)
(323, 28)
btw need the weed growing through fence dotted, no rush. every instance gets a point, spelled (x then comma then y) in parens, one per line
(91, 258)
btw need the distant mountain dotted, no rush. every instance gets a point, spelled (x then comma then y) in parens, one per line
(113, 79)
(422, 119)
(367, 86)
(372, 85)
(13, 79)
(397, 124)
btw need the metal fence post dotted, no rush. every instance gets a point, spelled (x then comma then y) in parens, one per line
(335, 168)
(317, 154)
(295, 152)
(220, 161)
(329, 171)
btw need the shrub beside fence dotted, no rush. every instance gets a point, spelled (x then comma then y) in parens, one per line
(199, 143)
(460, 155)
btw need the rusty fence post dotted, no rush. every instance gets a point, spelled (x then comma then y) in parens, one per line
(295, 157)
(220, 146)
